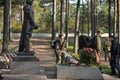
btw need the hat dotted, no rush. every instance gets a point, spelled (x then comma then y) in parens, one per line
(78, 32)
(100, 31)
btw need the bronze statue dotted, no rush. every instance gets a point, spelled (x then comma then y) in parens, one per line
(27, 28)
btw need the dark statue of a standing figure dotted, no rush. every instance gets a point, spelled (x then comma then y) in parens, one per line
(27, 28)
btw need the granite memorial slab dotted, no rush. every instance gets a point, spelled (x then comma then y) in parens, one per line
(73, 72)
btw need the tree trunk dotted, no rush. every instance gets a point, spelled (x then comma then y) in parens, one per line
(118, 1)
(88, 17)
(82, 31)
(110, 18)
(6, 26)
(21, 13)
(54, 20)
(10, 21)
(67, 21)
(62, 17)
(76, 27)
(95, 16)
(115, 17)
(92, 19)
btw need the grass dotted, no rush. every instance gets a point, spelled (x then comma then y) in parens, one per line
(70, 48)
(41, 31)
(105, 69)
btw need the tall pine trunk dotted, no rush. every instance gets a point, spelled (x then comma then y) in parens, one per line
(6, 26)
(110, 18)
(88, 17)
(76, 27)
(92, 18)
(54, 20)
(82, 30)
(95, 16)
(62, 17)
(10, 20)
(115, 17)
(67, 21)
(118, 20)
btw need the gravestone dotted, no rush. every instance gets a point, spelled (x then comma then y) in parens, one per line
(73, 72)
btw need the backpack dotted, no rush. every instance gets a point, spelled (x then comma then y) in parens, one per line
(92, 43)
(83, 41)
(53, 43)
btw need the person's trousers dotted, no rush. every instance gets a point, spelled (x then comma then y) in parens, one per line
(114, 63)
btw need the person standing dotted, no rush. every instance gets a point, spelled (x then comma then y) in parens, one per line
(97, 44)
(107, 45)
(27, 28)
(98, 41)
(60, 46)
(114, 59)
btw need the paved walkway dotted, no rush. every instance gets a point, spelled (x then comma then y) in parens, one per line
(47, 62)
(46, 56)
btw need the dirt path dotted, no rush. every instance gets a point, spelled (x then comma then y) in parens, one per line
(46, 56)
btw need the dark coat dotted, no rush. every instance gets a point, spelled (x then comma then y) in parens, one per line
(114, 48)
(83, 41)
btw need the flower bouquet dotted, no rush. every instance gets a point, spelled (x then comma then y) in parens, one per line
(89, 57)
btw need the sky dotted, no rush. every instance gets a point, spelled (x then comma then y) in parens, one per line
(75, 1)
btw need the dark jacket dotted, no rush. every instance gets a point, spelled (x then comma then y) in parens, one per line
(114, 48)
(83, 41)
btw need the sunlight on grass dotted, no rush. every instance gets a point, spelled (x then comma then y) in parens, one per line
(70, 48)
(105, 69)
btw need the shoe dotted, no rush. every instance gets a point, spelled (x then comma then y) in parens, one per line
(1, 77)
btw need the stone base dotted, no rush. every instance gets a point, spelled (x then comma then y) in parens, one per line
(25, 67)
(71, 72)
(25, 64)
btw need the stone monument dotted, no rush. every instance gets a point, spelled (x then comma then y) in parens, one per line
(25, 62)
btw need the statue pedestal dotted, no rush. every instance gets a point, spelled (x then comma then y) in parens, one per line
(25, 63)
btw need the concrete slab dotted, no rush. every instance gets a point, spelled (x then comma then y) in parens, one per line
(72, 72)
(25, 67)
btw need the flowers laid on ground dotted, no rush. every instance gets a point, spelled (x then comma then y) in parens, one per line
(86, 57)
(71, 59)
(89, 56)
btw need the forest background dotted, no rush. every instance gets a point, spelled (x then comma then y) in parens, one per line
(43, 15)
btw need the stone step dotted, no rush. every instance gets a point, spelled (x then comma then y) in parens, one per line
(24, 77)
(109, 77)
(5, 71)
